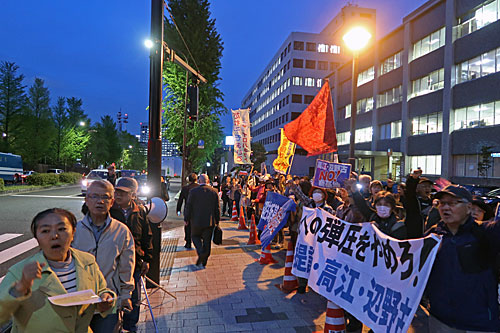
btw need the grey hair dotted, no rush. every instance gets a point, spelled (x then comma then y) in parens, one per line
(203, 179)
(104, 184)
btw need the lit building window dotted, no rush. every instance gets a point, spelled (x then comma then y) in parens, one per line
(476, 116)
(430, 164)
(364, 135)
(390, 64)
(297, 81)
(309, 81)
(391, 96)
(364, 105)
(347, 111)
(482, 65)
(323, 48)
(366, 76)
(427, 124)
(427, 84)
(390, 130)
(343, 138)
(428, 44)
(478, 18)
(467, 166)
(335, 49)
(319, 83)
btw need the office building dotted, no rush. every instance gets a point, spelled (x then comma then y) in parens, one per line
(293, 77)
(428, 96)
(168, 149)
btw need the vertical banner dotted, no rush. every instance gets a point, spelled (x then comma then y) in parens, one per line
(263, 168)
(241, 134)
(285, 151)
(331, 174)
(378, 279)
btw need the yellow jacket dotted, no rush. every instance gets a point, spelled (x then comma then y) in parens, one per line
(34, 312)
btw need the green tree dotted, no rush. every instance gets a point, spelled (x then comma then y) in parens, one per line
(76, 113)
(205, 51)
(133, 156)
(60, 116)
(74, 141)
(12, 101)
(104, 145)
(258, 154)
(37, 128)
(486, 161)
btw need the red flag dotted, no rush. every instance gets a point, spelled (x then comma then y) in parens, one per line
(314, 129)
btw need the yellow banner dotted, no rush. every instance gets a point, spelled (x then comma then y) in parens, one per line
(285, 151)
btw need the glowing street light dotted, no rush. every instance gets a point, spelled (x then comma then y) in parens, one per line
(356, 39)
(82, 123)
(148, 43)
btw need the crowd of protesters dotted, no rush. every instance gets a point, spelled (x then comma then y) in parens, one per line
(462, 290)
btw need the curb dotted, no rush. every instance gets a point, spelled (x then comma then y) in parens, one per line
(48, 187)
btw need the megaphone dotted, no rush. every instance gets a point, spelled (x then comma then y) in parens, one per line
(157, 210)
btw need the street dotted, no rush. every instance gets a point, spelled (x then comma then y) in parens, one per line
(18, 209)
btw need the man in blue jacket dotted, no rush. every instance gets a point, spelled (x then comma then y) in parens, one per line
(462, 287)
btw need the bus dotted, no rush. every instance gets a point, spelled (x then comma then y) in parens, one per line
(11, 167)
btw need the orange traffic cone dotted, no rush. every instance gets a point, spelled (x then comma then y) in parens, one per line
(253, 233)
(266, 257)
(334, 320)
(234, 214)
(242, 225)
(290, 282)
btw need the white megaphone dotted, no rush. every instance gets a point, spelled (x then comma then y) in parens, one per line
(157, 210)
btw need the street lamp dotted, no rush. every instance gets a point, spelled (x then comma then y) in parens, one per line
(355, 39)
(82, 123)
(148, 43)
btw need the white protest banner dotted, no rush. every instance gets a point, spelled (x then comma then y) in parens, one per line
(378, 279)
(241, 134)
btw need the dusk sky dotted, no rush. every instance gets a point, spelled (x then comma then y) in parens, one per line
(94, 50)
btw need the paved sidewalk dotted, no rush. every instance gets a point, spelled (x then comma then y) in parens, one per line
(233, 293)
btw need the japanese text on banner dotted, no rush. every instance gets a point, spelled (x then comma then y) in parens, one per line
(331, 174)
(274, 215)
(241, 134)
(285, 151)
(378, 279)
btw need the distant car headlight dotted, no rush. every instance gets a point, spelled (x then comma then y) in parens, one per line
(145, 189)
(84, 182)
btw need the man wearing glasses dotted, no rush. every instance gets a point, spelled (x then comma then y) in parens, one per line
(112, 244)
(462, 286)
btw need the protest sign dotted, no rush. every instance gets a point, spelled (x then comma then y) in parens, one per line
(274, 216)
(378, 279)
(241, 134)
(331, 174)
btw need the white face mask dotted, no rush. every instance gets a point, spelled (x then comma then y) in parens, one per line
(383, 211)
(317, 197)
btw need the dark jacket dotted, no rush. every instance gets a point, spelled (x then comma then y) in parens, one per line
(414, 220)
(138, 224)
(202, 207)
(390, 226)
(184, 195)
(462, 288)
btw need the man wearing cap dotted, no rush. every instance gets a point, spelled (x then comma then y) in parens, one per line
(126, 210)
(202, 212)
(112, 174)
(112, 245)
(424, 189)
(462, 288)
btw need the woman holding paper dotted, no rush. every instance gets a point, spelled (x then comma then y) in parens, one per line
(57, 269)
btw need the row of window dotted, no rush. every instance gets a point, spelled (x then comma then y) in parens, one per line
(270, 139)
(470, 166)
(430, 164)
(391, 63)
(390, 96)
(276, 122)
(366, 76)
(427, 84)
(476, 116)
(362, 135)
(482, 65)
(390, 130)
(307, 81)
(478, 18)
(427, 124)
(275, 94)
(428, 44)
(269, 112)
(298, 99)
(313, 47)
(311, 64)
(364, 105)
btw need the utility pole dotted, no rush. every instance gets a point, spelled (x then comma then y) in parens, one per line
(154, 140)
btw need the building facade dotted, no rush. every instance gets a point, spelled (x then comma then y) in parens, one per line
(428, 96)
(293, 77)
(168, 149)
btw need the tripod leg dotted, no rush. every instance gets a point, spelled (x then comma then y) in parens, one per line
(160, 287)
(149, 304)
